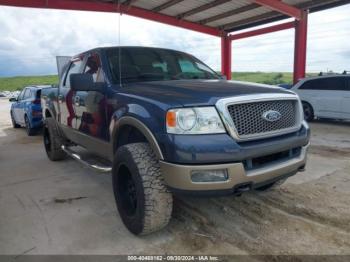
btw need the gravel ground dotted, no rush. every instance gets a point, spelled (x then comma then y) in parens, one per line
(64, 208)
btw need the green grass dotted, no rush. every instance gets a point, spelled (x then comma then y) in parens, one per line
(18, 82)
(274, 78)
(264, 78)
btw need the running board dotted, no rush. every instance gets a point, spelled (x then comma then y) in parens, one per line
(77, 157)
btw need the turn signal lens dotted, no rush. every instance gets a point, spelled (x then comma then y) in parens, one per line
(171, 119)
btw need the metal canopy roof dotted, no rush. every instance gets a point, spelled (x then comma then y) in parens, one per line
(227, 15)
(214, 17)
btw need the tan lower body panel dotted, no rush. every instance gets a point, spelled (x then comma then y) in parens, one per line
(179, 176)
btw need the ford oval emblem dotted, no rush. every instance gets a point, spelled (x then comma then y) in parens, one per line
(271, 115)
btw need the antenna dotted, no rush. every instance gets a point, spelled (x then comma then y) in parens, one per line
(119, 43)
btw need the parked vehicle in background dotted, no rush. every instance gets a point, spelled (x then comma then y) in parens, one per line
(26, 109)
(286, 86)
(325, 96)
(164, 122)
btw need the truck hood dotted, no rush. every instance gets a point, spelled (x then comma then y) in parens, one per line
(196, 92)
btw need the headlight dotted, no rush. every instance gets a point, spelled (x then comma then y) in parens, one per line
(196, 120)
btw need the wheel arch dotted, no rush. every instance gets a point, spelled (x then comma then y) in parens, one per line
(309, 103)
(314, 111)
(127, 122)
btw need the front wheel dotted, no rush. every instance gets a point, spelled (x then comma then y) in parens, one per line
(144, 203)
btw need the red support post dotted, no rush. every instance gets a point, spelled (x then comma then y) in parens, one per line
(226, 45)
(300, 47)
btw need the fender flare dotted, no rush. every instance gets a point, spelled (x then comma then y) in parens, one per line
(134, 122)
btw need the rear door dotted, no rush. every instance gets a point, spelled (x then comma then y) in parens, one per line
(23, 103)
(65, 96)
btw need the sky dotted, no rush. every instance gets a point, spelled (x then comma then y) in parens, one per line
(32, 38)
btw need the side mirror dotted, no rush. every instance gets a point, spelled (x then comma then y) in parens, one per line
(13, 99)
(85, 82)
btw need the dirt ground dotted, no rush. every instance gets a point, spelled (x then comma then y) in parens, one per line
(63, 208)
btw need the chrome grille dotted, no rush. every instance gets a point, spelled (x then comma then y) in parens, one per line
(248, 117)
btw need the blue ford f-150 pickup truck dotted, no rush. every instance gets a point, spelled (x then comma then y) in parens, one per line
(163, 122)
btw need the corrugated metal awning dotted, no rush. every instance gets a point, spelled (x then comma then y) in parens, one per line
(226, 15)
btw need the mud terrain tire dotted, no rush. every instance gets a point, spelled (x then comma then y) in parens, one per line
(144, 203)
(53, 140)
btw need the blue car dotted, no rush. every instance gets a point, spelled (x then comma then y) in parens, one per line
(26, 109)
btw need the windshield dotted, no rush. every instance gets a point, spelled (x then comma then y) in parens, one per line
(151, 64)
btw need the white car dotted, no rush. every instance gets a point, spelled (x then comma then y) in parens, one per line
(325, 96)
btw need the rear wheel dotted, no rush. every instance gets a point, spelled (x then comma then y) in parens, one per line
(29, 129)
(308, 112)
(14, 124)
(143, 201)
(53, 140)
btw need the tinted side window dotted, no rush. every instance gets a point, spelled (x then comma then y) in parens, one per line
(337, 83)
(27, 94)
(332, 83)
(20, 96)
(94, 68)
(74, 68)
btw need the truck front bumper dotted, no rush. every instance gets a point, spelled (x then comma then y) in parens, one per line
(239, 178)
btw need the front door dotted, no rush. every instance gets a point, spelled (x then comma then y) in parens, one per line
(17, 111)
(90, 106)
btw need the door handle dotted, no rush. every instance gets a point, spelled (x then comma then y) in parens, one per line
(77, 100)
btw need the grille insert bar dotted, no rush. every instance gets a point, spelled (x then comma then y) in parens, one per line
(248, 117)
(258, 116)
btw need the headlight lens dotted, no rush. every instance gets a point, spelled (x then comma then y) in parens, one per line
(186, 119)
(197, 120)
